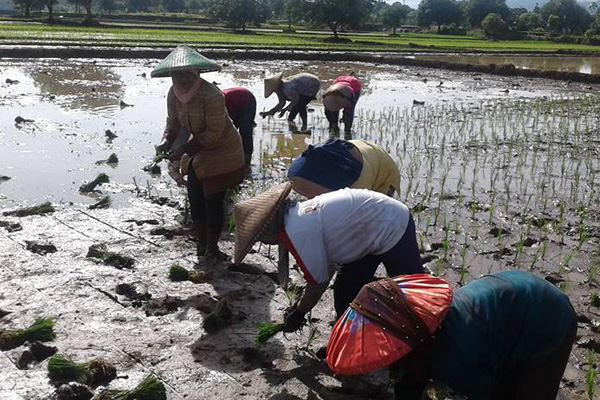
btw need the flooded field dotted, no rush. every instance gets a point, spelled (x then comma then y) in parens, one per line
(500, 173)
(584, 65)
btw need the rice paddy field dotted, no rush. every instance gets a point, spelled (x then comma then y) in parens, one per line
(500, 173)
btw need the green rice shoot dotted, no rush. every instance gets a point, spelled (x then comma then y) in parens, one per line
(178, 274)
(61, 369)
(267, 330)
(41, 330)
(151, 388)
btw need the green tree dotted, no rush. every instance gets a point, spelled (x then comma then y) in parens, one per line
(393, 16)
(238, 13)
(139, 5)
(494, 26)
(553, 23)
(529, 21)
(174, 6)
(108, 6)
(337, 14)
(439, 12)
(477, 10)
(87, 4)
(573, 16)
(25, 6)
(50, 6)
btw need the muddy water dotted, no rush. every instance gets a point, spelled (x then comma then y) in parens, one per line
(584, 65)
(73, 102)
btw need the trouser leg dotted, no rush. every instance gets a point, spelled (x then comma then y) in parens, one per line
(350, 279)
(214, 220)
(197, 210)
(332, 118)
(404, 258)
(246, 129)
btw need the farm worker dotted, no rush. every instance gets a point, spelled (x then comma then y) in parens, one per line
(336, 164)
(342, 94)
(213, 158)
(241, 106)
(504, 336)
(298, 89)
(356, 228)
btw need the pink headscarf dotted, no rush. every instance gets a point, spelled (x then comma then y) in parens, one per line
(183, 95)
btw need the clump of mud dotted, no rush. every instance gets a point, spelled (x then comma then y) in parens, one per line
(162, 306)
(11, 226)
(101, 254)
(94, 373)
(44, 208)
(179, 274)
(136, 292)
(40, 248)
(109, 134)
(4, 313)
(37, 352)
(91, 186)
(73, 391)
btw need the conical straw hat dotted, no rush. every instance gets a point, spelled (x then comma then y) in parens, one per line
(253, 215)
(336, 97)
(358, 345)
(183, 58)
(272, 83)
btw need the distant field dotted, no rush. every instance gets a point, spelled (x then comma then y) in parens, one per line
(15, 34)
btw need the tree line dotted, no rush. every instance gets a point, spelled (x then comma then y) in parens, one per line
(493, 17)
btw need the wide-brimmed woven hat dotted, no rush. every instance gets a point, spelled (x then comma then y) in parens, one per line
(272, 83)
(253, 215)
(183, 58)
(336, 97)
(386, 320)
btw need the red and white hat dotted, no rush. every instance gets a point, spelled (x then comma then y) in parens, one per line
(387, 320)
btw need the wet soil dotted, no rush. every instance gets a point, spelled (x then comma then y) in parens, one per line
(141, 322)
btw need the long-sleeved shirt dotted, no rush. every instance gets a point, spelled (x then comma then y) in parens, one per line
(342, 226)
(214, 138)
(495, 324)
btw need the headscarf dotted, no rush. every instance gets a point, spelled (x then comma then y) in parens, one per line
(186, 96)
(329, 164)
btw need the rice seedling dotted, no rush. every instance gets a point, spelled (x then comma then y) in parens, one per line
(178, 273)
(150, 388)
(592, 373)
(41, 330)
(219, 318)
(93, 373)
(267, 330)
(91, 186)
(44, 208)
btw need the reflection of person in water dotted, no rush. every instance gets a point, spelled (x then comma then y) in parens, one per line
(342, 94)
(241, 106)
(504, 336)
(355, 228)
(214, 160)
(336, 164)
(298, 89)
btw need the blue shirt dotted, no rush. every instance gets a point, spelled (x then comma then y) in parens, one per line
(495, 324)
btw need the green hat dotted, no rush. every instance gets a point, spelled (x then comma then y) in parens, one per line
(184, 58)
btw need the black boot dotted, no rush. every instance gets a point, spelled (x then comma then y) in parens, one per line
(201, 234)
(213, 254)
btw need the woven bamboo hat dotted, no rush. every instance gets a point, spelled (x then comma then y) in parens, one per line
(336, 97)
(183, 58)
(253, 215)
(272, 83)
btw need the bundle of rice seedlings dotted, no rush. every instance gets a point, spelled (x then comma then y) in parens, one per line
(179, 274)
(41, 330)
(151, 388)
(93, 373)
(267, 330)
(91, 186)
(44, 208)
(61, 369)
(219, 318)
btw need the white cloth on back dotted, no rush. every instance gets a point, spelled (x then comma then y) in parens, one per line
(343, 226)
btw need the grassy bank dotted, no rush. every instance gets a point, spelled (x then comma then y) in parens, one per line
(21, 34)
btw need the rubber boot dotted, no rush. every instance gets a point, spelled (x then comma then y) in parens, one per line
(213, 253)
(201, 234)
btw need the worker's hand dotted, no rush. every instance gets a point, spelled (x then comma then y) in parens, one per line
(294, 321)
(282, 113)
(176, 153)
(164, 146)
(265, 114)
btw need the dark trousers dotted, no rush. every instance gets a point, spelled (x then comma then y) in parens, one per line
(244, 122)
(300, 108)
(347, 116)
(402, 259)
(540, 379)
(207, 211)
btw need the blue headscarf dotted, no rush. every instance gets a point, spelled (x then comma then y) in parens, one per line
(329, 164)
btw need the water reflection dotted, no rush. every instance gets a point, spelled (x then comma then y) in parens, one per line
(584, 65)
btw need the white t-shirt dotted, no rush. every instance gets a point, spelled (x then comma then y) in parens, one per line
(340, 227)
